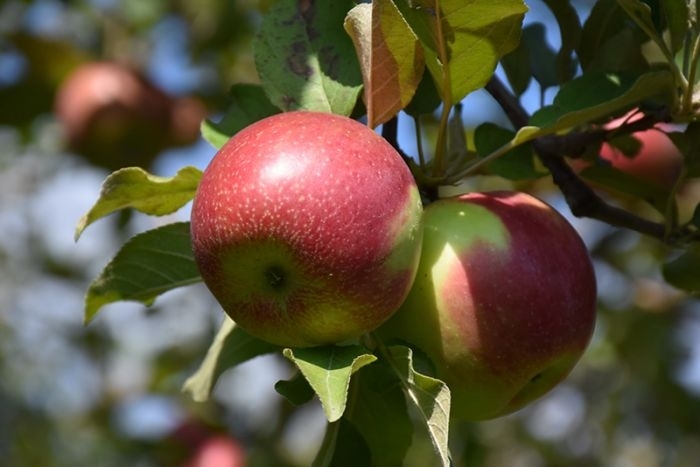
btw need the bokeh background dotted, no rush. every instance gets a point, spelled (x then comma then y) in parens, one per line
(109, 394)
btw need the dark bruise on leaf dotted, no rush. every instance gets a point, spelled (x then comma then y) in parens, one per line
(302, 55)
(148, 265)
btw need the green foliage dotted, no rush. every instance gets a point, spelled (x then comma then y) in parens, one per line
(133, 187)
(517, 164)
(462, 42)
(231, 346)
(615, 93)
(300, 54)
(248, 103)
(423, 57)
(390, 57)
(328, 371)
(682, 271)
(148, 265)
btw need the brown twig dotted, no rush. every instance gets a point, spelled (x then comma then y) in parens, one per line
(582, 200)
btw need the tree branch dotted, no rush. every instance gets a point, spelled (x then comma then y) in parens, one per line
(582, 200)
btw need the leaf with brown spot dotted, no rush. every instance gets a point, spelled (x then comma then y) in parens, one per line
(305, 59)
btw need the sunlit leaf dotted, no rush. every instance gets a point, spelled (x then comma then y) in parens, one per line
(463, 40)
(328, 370)
(231, 346)
(305, 58)
(390, 55)
(133, 187)
(148, 265)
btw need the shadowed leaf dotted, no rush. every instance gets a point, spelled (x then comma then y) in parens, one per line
(231, 346)
(148, 265)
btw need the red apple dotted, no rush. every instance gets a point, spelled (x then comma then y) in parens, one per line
(115, 117)
(503, 303)
(657, 161)
(218, 451)
(306, 228)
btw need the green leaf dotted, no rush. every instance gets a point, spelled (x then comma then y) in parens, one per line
(426, 99)
(297, 390)
(148, 265)
(682, 271)
(390, 55)
(570, 32)
(379, 412)
(543, 59)
(688, 143)
(464, 40)
(695, 220)
(248, 104)
(605, 33)
(517, 164)
(676, 15)
(328, 370)
(302, 55)
(517, 67)
(231, 346)
(597, 95)
(430, 396)
(343, 446)
(133, 187)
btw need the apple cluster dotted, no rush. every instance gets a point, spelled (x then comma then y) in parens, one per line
(308, 229)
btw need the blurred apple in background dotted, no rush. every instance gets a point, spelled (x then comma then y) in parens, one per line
(114, 117)
(504, 301)
(651, 156)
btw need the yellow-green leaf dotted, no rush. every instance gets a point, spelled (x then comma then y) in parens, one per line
(133, 187)
(391, 58)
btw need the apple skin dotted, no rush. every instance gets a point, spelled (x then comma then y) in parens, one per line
(114, 117)
(658, 161)
(306, 227)
(504, 301)
(217, 451)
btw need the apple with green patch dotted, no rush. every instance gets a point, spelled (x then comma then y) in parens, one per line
(503, 303)
(306, 227)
